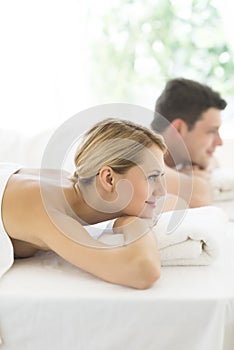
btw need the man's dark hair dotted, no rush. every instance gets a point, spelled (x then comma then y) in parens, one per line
(184, 99)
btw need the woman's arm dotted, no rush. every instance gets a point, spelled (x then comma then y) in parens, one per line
(135, 265)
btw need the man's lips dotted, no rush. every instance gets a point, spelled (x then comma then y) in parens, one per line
(210, 153)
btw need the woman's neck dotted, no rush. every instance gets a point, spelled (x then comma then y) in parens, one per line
(86, 213)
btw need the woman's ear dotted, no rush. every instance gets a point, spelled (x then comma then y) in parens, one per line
(106, 178)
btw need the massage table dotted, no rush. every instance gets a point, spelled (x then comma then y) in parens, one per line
(46, 303)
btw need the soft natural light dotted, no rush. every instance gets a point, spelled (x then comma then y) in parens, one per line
(45, 62)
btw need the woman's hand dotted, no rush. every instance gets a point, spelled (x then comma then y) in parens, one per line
(132, 227)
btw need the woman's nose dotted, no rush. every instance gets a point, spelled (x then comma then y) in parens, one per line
(160, 187)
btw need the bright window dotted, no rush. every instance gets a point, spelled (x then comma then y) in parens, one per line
(59, 57)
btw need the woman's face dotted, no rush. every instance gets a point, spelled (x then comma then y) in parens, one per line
(146, 181)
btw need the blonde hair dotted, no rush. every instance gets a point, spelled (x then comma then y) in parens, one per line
(113, 142)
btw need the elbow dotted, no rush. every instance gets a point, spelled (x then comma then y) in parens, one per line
(200, 201)
(148, 272)
(201, 195)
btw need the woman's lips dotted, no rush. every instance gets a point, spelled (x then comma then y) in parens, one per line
(151, 204)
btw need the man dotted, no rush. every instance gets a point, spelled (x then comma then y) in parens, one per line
(188, 115)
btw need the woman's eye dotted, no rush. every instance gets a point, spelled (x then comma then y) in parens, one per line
(153, 177)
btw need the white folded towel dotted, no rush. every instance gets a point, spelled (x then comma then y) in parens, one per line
(222, 181)
(185, 237)
(228, 207)
(192, 239)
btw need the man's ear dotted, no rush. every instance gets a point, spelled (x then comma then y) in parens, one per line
(180, 126)
(106, 178)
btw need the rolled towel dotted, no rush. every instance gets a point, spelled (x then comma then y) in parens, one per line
(222, 182)
(192, 237)
(185, 237)
(228, 207)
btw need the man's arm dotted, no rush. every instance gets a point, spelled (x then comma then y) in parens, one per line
(190, 184)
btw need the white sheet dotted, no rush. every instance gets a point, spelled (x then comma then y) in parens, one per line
(46, 303)
(6, 251)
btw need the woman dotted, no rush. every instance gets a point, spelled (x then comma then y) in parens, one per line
(119, 168)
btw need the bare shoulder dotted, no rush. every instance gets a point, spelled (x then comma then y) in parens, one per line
(41, 218)
(24, 214)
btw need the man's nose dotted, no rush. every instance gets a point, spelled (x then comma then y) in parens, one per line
(218, 140)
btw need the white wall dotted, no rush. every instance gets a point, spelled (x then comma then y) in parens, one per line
(43, 63)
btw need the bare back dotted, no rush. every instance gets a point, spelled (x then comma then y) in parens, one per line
(24, 214)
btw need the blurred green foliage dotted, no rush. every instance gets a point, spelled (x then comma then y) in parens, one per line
(141, 44)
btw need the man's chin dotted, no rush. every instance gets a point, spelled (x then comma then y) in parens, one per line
(202, 164)
(205, 166)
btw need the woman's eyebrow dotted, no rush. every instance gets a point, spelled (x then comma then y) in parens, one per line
(159, 171)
